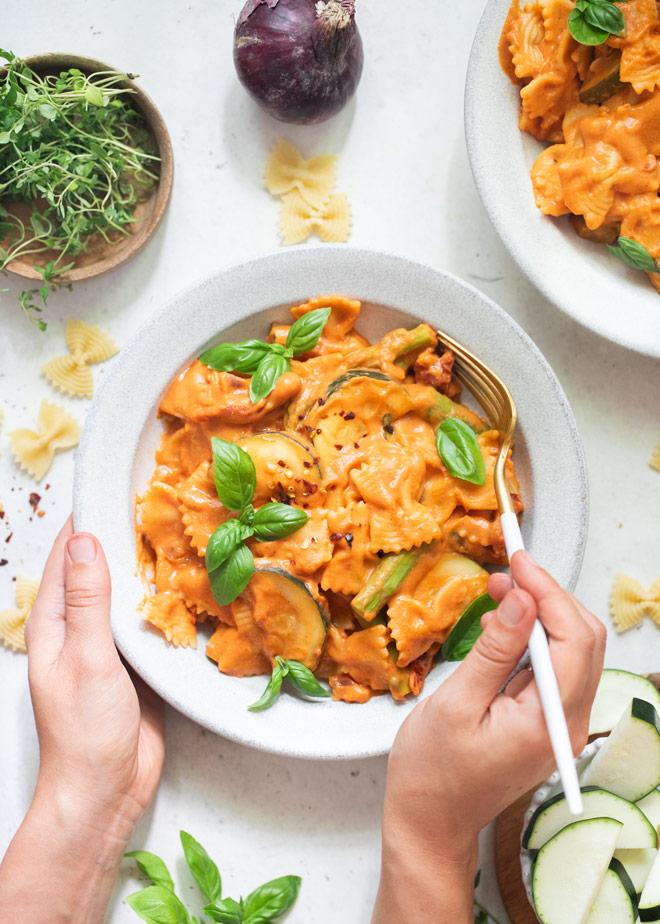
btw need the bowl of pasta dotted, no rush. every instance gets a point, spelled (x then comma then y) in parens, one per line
(298, 507)
(574, 183)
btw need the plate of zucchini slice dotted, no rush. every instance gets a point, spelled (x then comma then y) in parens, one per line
(240, 304)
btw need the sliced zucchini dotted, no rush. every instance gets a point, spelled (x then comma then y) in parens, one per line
(650, 805)
(286, 466)
(603, 79)
(616, 689)
(649, 903)
(638, 864)
(345, 377)
(570, 869)
(554, 814)
(628, 763)
(389, 574)
(616, 902)
(292, 616)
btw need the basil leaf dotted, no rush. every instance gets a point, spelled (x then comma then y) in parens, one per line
(603, 14)
(584, 33)
(157, 905)
(204, 870)
(226, 911)
(275, 521)
(267, 373)
(304, 333)
(271, 899)
(153, 867)
(223, 542)
(234, 473)
(467, 630)
(633, 254)
(459, 450)
(271, 692)
(304, 680)
(231, 578)
(236, 357)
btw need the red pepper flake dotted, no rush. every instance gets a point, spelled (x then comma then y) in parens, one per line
(48, 487)
(317, 459)
(349, 416)
(309, 487)
(2, 514)
(338, 447)
(281, 463)
(321, 402)
(356, 445)
(336, 537)
(3, 561)
(34, 500)
(9, 537)
(319, 430)
(349, 540)
(307, 464)
(341, 413)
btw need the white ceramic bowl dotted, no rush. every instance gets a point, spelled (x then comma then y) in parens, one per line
(580, 277)
(116, 458)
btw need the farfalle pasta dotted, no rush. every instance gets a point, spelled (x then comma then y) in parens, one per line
(35, 450)
(288, 171)
(12, 622)
(87, 345)
(629, 602)
(598, 106)
(331, 221)
(392, 548)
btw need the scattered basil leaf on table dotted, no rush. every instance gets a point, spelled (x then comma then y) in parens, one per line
(266, 362)
(158, 905)
(592, 22)
(231, 578)
(204, 870)
(459, 450)
(276, 521)
(299, 676)
(234, 473)
(153, 867)
(271, 899)
(633, 254)
(467, 630)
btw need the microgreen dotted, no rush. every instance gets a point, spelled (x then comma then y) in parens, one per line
(459, 450)
(467, 630)
(297, 674)
(591, 22)
(229, 561)
(74, 150)
(158, 903)
(633, 254)
(266, 362)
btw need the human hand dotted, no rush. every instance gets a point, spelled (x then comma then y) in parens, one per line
(101, 733)
(466, 753)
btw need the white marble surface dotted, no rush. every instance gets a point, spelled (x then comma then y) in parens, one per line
(404, 166)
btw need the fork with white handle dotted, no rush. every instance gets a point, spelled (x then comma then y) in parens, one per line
(497, 402)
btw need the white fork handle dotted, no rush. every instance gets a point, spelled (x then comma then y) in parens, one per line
(547, 684)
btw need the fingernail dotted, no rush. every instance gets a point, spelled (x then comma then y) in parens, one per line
(511, 610)
(526, 558)
(81, 548)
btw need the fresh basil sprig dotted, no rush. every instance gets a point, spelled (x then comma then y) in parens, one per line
(299, 676)
(266, 362)
(158, 903)
(633, 254)
(467, 630)
(593, 21)
(459, 450)
(229, 562)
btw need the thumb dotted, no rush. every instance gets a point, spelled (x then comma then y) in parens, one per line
(86, 593)
(497, 650)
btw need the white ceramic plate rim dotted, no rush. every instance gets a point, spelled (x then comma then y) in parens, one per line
(104, 482)
(581, 278)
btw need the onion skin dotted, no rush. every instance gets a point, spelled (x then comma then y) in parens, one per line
(300, 60)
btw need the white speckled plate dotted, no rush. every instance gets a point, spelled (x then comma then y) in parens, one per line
(580, 277)
(116, 458)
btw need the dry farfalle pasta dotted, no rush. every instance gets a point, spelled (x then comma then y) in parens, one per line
(87, 344)
(654, 461)
(34, 451)
(629, 602)
(307, 204)
(332, 222)
(287, 170)
(12, 622)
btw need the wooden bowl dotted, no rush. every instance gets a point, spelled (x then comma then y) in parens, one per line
(100, 255)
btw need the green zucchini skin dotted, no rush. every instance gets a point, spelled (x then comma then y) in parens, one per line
(544, 806)
(345, 377)
(626, 882)
(286, 575)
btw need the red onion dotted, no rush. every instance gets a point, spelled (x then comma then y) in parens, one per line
(300, 60)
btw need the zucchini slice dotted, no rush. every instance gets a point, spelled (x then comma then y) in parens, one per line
(287, 469)
(615, 690)
(616, 902)
(345, 377)
(554, 814)
(650, 805)
(649, 903)
(291, 615)
(628, 763)
(603, 79)
(570, 869)
(637, 864)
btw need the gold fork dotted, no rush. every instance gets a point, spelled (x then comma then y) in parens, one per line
(499, 406)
